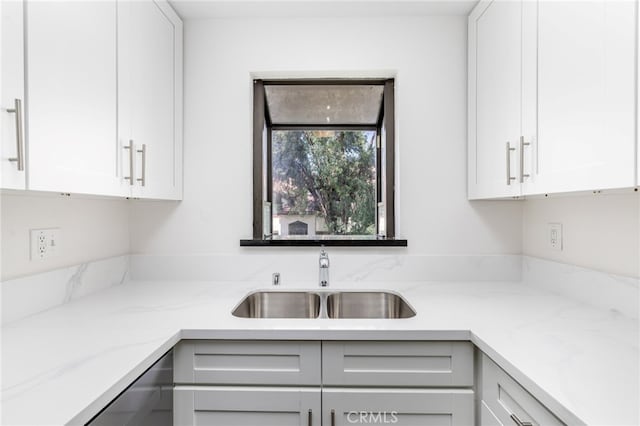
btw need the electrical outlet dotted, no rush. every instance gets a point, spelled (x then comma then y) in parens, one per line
(554, 236)
(44, 243)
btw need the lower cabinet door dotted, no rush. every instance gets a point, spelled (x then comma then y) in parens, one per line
(246, 406)
(147, 402)
(402, 407)
(487, 418)
(504, 400)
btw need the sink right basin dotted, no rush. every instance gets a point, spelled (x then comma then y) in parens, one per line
(368, 304)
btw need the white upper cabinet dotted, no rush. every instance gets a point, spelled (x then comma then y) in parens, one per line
(557, 82)
(586, 96)
(495, 106)
(150, 99)
(80, 82)
(12, 148)
(72, 97)
(495, 99)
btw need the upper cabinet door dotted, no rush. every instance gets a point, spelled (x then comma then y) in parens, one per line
(150, 70)
(12, 148)
(71, 105)
(495, 63)
(586, 96)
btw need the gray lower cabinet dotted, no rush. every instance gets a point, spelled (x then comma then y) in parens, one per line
(247, 362)
(247, 383)
(246, 406)
(331, 383)
(401, 407)
(147, 402)
(397, 363)
(505, 402)
(397, 382)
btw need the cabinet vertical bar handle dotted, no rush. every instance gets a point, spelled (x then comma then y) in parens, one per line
(130, 148)
(19, 158)
(519, 422)
(522, 145)
(333, 417)
(310, 422)
(143, 174)
(509, 177)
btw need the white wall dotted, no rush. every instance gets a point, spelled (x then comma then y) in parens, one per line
(600, 232)
(90, 229)
(428, 54)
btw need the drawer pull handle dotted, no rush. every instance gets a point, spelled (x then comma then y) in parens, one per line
(520, 422)
(310, 422)
(333, 417)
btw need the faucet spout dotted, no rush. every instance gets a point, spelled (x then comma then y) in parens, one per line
(324, 269)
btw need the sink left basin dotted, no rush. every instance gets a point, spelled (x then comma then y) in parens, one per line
(279, 304)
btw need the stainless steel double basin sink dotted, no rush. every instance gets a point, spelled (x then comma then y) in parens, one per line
(321, 304)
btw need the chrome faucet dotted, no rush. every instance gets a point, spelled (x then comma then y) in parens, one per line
(324, 268)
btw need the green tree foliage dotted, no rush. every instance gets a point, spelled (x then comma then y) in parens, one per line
(328, 172)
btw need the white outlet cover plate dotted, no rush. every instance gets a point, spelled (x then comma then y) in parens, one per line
(554, 236)
(44, 243)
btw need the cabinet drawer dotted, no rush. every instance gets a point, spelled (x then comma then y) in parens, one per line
(244, 406)
(400, 407)
(247, 362)
(390, 363)
(504, 398)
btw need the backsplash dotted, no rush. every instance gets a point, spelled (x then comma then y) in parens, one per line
(90, 228)
(303, 268)
(616, 293)
(600, 231)
(28, 295)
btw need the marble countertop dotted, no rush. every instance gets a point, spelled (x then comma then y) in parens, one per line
(63, 365)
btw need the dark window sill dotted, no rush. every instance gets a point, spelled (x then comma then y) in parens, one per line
(327, 242)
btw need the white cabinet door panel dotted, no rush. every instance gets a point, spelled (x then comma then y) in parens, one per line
(149, 75)
(495, 45)
(586, 96)
(12, 75)
(71, 75)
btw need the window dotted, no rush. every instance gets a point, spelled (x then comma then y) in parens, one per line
(326, 179)
(323, 161)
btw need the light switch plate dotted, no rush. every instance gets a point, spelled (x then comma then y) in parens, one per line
(44, 243)
(554, 236)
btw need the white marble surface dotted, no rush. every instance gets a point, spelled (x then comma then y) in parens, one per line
(63, 365)
(29, 295)
(345, 266)
(615, 293)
